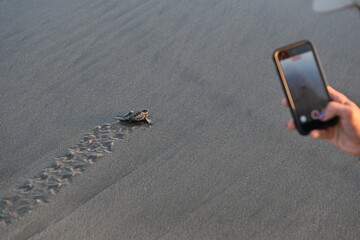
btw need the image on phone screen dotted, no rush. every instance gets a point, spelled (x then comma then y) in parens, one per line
(306, 85)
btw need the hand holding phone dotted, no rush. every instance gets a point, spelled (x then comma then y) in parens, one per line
(304, 85)
(344, 135)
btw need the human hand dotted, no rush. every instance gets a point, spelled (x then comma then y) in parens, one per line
(346, 133)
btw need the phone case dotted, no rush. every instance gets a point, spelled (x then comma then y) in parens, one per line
(286, 88)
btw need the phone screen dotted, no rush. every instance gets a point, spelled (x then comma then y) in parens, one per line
(305, 83)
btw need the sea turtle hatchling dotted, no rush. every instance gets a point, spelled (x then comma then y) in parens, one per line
(133, 116)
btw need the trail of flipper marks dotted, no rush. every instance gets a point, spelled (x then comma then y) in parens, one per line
(39, 188)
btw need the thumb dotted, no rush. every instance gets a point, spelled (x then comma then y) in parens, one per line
(334, 109)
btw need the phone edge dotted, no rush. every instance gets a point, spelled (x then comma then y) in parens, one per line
(285, 90)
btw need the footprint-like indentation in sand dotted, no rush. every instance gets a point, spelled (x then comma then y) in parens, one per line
(59, 173)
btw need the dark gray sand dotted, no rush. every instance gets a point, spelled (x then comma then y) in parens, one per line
(218, 163)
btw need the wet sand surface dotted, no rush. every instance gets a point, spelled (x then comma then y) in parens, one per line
(218, 163)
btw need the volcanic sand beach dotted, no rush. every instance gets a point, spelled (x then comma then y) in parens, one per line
(218, 163)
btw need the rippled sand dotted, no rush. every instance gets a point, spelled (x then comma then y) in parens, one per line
(218, 164)
(60, 173)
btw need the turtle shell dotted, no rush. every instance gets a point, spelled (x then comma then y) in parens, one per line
(139, 116)
(134, 116)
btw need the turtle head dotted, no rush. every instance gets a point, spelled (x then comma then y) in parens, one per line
(145, 112)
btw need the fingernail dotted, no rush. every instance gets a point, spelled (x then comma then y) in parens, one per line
(321, 115)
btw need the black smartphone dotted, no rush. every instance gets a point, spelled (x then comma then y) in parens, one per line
(304, 84)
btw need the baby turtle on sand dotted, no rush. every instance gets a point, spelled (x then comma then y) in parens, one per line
(133, 116)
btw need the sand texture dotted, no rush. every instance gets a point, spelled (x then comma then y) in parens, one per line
(218, 162)
(61, 172)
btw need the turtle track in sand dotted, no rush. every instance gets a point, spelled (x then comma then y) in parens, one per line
(40, 187)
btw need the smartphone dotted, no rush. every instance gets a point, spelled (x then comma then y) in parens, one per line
(304, 84)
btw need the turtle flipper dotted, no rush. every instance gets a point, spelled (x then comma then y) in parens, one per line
(148, 121)
(120, 118)
(124, 117)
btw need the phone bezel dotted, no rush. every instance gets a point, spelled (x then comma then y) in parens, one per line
(293, 50)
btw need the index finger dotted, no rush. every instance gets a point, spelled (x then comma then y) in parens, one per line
(337, 96)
